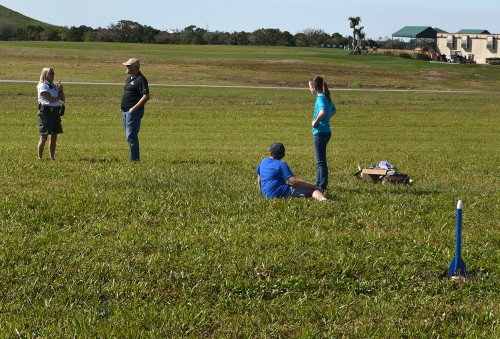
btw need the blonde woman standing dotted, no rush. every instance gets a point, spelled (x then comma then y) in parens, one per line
(50, 96)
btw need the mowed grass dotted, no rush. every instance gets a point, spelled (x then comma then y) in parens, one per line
(238, 66)
(182, 244)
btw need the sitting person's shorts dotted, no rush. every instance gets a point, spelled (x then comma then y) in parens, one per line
(295, 192)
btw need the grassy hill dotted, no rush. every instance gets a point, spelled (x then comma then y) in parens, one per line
(18, 20)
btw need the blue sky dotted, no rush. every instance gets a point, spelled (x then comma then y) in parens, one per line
(380, 18)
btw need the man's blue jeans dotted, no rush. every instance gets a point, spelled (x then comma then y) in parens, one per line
(131, 125)
(320, 141)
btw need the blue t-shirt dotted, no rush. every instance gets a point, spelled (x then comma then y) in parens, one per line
(322, 103)
(273, 176)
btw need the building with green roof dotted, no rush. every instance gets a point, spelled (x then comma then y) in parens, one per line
(473, 31)
(417, 32)
(476, 45)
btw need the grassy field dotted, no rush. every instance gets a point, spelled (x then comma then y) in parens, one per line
(239, 65)
(182, 245)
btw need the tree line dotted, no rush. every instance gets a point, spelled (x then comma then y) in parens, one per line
(134, 32)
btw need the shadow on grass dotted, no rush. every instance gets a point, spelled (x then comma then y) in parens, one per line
(100, 160)
(201, 162)
(471, 276)
(396, 191)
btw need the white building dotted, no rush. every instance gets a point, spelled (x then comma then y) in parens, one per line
(479, 43)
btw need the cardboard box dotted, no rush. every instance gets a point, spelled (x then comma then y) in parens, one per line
(372, 174)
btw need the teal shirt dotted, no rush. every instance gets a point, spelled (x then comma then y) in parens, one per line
(322, 103)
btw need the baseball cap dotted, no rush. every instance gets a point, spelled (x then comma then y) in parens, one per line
(277, 149)
(132, 62)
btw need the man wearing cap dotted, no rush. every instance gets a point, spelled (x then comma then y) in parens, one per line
(273, 173)
(135, 96)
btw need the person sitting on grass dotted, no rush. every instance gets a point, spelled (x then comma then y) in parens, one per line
(273, 174)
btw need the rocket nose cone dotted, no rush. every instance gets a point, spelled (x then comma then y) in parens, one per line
(459, 205)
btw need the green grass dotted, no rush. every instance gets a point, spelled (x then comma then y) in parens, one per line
(238, 65)
(181, 244)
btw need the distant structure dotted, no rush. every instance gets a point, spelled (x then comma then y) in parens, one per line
(418, 32)
(472, 45)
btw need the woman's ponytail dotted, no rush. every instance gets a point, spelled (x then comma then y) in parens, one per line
(326, 92)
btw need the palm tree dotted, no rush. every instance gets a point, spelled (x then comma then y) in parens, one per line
(354, 21)
(357, 34)
(360, 35)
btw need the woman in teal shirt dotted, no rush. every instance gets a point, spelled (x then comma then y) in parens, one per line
(324, 109)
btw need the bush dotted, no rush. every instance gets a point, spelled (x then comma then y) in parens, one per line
(493, 61)
(403, 55)
(356, 85)
(422, 56)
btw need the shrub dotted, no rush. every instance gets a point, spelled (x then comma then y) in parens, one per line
(493, 61)
(356, 84)
(422, 56)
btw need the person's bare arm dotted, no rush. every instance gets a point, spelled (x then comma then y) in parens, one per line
(320, 117)
(140, 103)
(49, 97)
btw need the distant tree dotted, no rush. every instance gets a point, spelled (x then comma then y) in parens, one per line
(425, 44)
(91, 36)
(354, 21)
(394, 44)
(372, 43)
(127, 31)
(148, 34)
(287, 39)
(162, 38)
(134, 32)
(187, 35)
(258, 37)
(50, 34)
(316, 37)
(274, 37)
(198, 36)
(102, 35)
(241, 38)
(167, 37)
(360, 40)
(338, 39)
(210, 38)
(77, 33)
(266, 37)
(33, 32)
(7, 31)
(224, 38)
(357, 34)
(300, 40)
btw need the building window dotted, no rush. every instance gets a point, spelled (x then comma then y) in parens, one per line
(449, 41)
(465, 41)
(489, 42)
